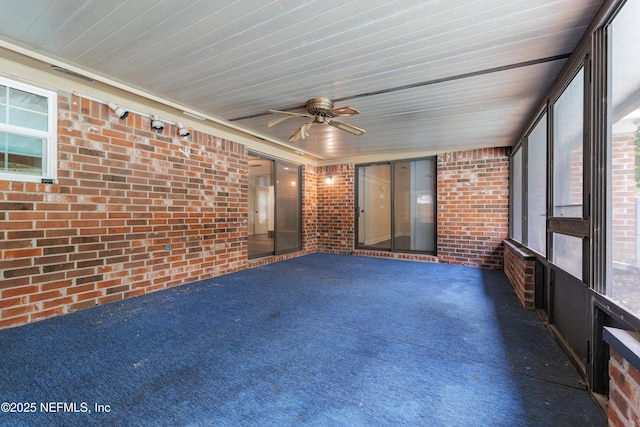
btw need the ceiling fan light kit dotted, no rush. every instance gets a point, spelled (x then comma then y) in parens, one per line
(319, 110)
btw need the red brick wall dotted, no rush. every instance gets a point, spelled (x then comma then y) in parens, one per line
(336, 200)
(309, 209)
(473, 207)
(124, 192)
(519, 267)
(624, 392)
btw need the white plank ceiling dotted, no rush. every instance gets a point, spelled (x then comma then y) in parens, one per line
(427, 76)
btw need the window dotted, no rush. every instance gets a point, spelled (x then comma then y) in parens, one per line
(568, 161)
(567, 251)
(274, 206)
(528, 180)
(28, 120)
(537, 187)
(624, 157)
(516, 191)
(396, 206)
(568, 125)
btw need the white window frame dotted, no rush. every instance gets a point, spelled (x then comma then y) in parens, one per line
(50, 153)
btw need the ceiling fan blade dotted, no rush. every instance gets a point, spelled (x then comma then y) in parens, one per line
(296, 135)
(278, 120)
(301, 133)
(282, 112)
(347, 127)
(345, 111)
(287, 115)
(305, 129)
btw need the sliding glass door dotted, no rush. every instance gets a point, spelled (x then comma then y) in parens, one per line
(414, 206)
(261, 206)
(274, 206)
(288, 207)
(374, 214)
(396, 206)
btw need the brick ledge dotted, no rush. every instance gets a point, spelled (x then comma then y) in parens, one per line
(523, 252)
(626, 343)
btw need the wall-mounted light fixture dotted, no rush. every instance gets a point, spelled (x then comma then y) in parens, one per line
(120, 112)
(186, 151)
(329, 180)
(156, 123)
(183, 131)
(202, 117)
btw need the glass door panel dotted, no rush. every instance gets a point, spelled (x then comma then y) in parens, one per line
(374, 206)
(414, 205)
(568, 126)
(288, 207)
(261, 207)
(568, 172)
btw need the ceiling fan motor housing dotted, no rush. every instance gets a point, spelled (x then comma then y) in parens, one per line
(320, 106)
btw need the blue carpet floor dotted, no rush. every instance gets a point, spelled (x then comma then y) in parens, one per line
(320, 340)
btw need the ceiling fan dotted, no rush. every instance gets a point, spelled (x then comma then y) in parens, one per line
(320, 110)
